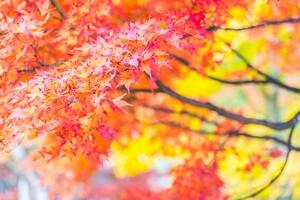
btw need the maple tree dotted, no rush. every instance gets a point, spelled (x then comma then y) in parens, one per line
(186, 99)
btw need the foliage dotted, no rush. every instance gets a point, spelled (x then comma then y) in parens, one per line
(180, 99)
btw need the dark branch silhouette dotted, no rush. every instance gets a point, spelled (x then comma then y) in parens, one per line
(58, 8)
(274, 139)
(202, 104)
(181, 60)
(142, 90)
(39, 66)
(182, 112)
(279, 173)
(238, 82)
(263, 24)
(231, 133)
(267, 77)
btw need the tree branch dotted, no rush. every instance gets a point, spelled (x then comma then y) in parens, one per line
(231, 133)
(143, 90)
(238, 82)
(180, 126)
(279, 173)
(263, 24)
(41, 65)
(182, 112)
(228, 114)
(265, 137)
(58, 8)
(268, 78)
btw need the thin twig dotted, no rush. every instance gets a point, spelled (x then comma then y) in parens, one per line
(237, 117)
(41, 65)
(263, 137)
(278, 174)
(238, 82)
(231, 133)
(182, 112)
(58, 8)
(143, 90)
(268, 78)
(180, 126)
(263, 24)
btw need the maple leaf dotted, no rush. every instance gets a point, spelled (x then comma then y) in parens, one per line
(64, 66)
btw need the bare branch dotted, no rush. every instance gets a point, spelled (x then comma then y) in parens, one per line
(41, 65)
(182, 112)
(180, 126)
(274, 139)
(231, 133)
(58, 8)
(238, 82)
(263, 24)
(181, 60)
(28, 69)
(278, 174)
(228, 114)
(268, 78)
(143, 90)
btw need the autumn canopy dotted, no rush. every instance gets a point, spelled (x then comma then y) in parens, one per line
(149, 99)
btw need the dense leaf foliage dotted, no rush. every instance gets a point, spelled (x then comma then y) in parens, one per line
(206, 87)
